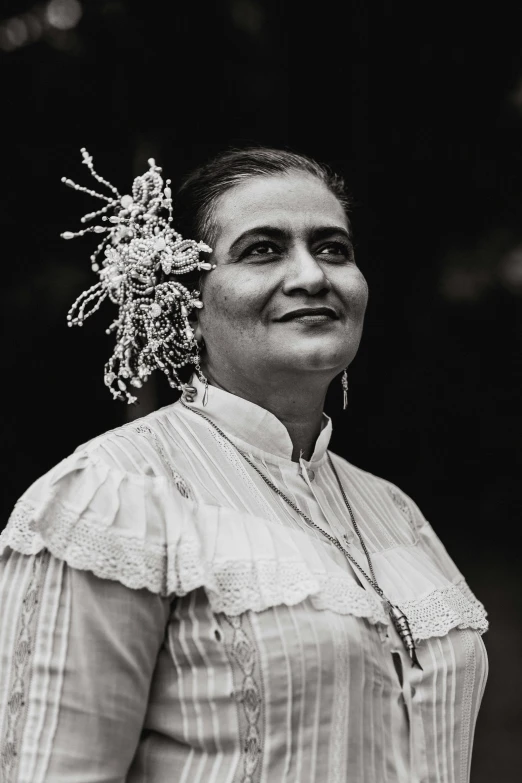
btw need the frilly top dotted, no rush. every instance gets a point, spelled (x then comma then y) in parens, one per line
(273, 659)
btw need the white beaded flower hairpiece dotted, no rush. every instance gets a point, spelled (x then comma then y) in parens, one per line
(141, 255)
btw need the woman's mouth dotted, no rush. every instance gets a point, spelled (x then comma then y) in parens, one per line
(311, 315)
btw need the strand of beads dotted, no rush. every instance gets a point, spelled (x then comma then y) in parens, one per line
(95, 293)
(87, 160)
(88, 230)
(141, 250)
(81, 189)
(97, 213)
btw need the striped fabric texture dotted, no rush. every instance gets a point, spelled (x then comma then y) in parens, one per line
(167, 618)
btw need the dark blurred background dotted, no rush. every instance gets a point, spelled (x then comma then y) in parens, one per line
(421, 109)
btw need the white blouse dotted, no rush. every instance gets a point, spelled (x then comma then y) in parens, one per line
(167, 618)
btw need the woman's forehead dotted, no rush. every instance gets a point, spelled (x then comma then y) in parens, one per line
(288, 202)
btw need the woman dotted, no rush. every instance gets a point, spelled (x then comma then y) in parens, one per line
(208, 594)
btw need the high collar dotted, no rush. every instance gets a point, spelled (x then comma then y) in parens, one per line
(254, 426)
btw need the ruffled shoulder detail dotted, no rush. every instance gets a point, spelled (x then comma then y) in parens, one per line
(421, 577)
(434, 603)
(452, 606)
(143, 532)
(119, 525)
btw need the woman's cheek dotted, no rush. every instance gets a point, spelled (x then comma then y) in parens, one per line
(359, 293)
(216, 298)
(354, 294)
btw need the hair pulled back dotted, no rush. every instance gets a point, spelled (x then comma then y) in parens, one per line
(197, 197)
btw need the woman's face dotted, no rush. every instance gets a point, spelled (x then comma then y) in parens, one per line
(286, 297)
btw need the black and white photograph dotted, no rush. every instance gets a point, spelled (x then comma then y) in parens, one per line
(261, 392)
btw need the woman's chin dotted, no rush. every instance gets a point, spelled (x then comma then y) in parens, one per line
(326, 353)
(329, 363)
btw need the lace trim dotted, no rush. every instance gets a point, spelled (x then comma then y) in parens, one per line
(244, 653)
(22, 657)
(20, 532)
(343, 596)
(439, 611)
(132, 561)
(234, 586)
(240, 586)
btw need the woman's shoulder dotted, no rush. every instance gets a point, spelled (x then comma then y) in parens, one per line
(421, 578)
(105, 507)
(378, 487)
(146, 446)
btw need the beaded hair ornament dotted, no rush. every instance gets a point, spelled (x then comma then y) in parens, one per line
(142, 254)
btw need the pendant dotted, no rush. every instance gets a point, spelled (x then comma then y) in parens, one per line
(344, 383)
(402, 625)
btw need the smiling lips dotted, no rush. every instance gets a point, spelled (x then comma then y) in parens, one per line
(310, 313)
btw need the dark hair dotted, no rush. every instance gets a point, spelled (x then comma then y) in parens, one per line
(197, 196)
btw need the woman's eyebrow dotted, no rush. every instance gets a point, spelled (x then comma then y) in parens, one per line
(323, 232)
(268, 231)
(272, 232)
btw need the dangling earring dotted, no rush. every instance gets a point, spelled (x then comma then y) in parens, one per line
(344, 382)
(201, 345)
(199, 337)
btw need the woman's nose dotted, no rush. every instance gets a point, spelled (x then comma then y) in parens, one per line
(304, 273)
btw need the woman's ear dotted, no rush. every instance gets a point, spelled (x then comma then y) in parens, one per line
(198, 335)
(193, 318)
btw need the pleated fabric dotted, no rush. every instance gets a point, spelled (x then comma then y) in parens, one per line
(166, 617)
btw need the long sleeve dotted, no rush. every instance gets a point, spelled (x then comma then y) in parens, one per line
(274, 664)
(77, 656)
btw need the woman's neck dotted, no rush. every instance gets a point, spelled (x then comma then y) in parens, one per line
(299, 406)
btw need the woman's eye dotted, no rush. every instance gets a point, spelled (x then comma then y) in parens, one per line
(336, 249)
(260, 249)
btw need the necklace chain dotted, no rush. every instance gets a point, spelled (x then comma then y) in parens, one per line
(398, 618)
(371, 579)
